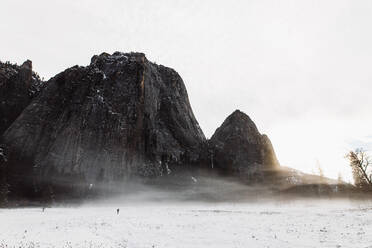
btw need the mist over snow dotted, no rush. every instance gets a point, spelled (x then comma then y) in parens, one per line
(300, 69)
(170, 224)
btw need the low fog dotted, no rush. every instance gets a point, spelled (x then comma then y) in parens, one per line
(195, 210)
(145, 216)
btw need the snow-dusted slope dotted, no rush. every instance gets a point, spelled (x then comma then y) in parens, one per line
(296, 224)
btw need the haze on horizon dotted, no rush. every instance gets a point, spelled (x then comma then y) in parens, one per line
(299, 69)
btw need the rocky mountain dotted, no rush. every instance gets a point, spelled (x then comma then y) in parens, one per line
(18, 85)
(238, 147)
(118, 118)
(123, 119)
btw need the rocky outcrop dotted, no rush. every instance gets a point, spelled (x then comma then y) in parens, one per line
(18, 85)
(118, 118)
(122, 118)
(238, 147)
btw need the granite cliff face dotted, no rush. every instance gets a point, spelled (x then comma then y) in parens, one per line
(118, 118)
(238, 147)
(18, 85)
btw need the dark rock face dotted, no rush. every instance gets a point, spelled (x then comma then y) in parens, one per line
(18, 85)
(238, 147)
(120, 117)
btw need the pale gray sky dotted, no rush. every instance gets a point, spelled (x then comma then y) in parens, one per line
(300, 69)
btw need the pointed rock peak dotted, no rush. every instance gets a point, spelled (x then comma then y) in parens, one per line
(237, 114)
(239, 127)
(241, 120)
(238, 146)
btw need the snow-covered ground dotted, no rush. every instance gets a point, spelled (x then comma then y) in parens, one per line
(311, 223)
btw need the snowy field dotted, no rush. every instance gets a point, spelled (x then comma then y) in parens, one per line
(313, 223)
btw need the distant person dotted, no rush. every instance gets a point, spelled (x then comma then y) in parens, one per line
(117, 211)
(43, 209)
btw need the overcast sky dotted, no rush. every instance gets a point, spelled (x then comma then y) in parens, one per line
(300, 69)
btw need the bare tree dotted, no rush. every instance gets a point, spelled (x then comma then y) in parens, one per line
(360, 164)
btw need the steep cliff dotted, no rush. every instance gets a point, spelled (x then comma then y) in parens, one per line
(238, 147)
(18, 85)
(118, 118)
